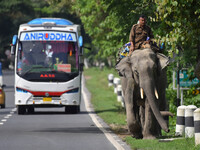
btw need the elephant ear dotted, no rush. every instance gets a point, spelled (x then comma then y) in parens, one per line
(124, 68)
(163, 61)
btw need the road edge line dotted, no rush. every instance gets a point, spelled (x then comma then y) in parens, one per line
(93, 116)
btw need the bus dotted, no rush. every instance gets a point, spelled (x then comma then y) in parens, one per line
(48, 65)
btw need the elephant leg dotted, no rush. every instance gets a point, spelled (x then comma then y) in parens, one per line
(132, 110)
(150, 127)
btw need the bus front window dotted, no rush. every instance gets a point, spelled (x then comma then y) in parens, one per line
(47, 56)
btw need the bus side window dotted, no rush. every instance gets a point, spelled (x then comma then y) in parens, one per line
(70, 49)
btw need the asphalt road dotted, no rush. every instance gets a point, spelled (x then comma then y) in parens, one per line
(47, 128)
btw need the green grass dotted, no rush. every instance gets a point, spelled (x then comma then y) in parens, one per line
(103, 98)
(179, 144)
(106, 106)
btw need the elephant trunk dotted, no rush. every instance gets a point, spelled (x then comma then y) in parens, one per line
(149, 90)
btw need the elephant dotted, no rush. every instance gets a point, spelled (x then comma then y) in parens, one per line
(144, 80)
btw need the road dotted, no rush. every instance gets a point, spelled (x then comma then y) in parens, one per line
(47, 128)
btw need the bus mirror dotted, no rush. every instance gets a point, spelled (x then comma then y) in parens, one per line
(81, 51)
(20, 50)
(80, 41)
(13, 45)
(14, 40)
(81, 66)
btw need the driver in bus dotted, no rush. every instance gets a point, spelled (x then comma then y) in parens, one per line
(49, 53)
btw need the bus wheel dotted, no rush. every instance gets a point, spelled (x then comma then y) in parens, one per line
(21, 110)
(30, 110)
(3, 106)
(72, 109)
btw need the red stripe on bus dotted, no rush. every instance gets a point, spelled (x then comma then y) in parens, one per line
(42, 93)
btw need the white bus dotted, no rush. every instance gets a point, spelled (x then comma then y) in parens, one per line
(48, 65)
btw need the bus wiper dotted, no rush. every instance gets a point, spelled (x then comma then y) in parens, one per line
(32, 68)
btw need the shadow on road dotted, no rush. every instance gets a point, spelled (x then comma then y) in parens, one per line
(92, 129)
(64, 113)
(58, 113)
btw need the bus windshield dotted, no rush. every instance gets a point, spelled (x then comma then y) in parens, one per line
(47, 56)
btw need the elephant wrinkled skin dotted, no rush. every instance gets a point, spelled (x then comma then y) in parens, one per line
(143, 84)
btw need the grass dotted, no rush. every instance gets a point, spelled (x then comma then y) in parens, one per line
(106, 106)
(103, 99)
(179, 144)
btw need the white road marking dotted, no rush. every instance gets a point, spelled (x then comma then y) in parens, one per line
(7, 116)
(14, 109)
(95, 120)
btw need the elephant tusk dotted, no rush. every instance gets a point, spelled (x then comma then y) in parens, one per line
(142, 93)
(156, 93)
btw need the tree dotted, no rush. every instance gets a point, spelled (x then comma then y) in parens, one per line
(15, 12)
(12, 13)
(180, 27)
(108, 23)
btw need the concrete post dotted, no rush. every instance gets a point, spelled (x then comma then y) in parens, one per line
(119, 95)
(116, 82)
(189, 121)
(110, 79)
(197, 126)
(180, 121)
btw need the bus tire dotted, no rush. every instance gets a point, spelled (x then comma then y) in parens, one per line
(30, 110)
(3, 106)
(72, 109)
(21, 110)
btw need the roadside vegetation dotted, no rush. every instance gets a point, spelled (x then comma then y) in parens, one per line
(106, 106)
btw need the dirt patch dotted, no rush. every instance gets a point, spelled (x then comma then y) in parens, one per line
(121, 131)
(87, 77)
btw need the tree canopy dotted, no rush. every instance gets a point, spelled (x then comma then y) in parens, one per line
(175, 23)
(108, 22)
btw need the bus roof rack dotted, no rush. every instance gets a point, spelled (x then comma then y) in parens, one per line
(50, 21)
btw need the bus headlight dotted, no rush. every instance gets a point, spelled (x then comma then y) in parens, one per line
(72, 91)
(21, 90)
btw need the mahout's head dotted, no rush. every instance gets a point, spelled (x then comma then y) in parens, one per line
(142, 20)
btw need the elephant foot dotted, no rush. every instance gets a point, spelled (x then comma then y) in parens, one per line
(149, 137)
(136, 136)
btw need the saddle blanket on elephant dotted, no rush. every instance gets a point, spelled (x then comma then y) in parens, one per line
(124, 50)
(123, 65)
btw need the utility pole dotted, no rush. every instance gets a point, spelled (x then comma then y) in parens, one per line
(178, 84)
(178, 77)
